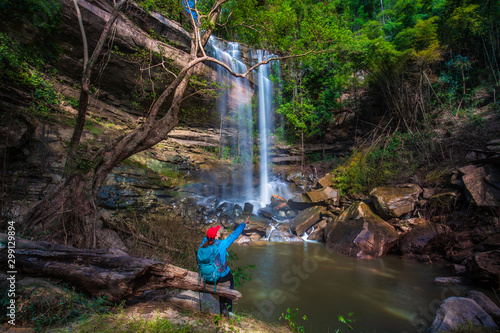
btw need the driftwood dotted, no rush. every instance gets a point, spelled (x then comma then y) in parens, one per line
(113, 273)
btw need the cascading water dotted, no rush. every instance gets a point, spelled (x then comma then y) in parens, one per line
(234, 107)
(269, 185)
(265, 107)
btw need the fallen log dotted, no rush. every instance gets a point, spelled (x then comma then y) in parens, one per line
(111, 273)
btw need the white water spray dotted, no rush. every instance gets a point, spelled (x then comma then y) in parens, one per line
(265, 108)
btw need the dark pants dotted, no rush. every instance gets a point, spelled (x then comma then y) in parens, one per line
(226, 304)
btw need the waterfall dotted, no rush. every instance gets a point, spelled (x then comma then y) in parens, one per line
(265, 108)
(235, 110)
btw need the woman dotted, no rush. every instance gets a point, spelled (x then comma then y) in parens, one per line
(213, 237)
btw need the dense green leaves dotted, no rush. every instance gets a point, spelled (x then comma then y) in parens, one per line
(34, 23)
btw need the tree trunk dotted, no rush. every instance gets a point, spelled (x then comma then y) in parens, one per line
(70, 209)
(68, 213)
(115, 275)
(88, 65)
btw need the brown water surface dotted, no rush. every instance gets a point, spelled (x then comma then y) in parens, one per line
(384, 295)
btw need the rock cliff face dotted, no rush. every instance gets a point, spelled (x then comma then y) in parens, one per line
(131, 62)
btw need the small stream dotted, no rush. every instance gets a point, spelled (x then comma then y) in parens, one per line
(384, 295)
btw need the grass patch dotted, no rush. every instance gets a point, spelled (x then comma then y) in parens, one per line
(121, 323)
(471, 328)
(42, 305)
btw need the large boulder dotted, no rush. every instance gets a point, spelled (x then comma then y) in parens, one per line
(456, 311)
(306, 219)
(326, 194)
(253, 232)
(300, 201)
(395, 201)
(415, 240)
(359, 232)
(484, 268)
(482, 184)
(486, 303)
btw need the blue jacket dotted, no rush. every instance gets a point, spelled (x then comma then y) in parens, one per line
(224, 244)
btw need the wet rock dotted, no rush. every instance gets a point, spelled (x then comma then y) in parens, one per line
(229, 209)
(282, 233)
(210, 204)
(486, 303)
(395, 201)
(247, 209)
(243, 239)
(451, 280)
(422, 258)
(456, 311)
(415, 240)
(266, 212)
(254, 231)
(318, 234)
(458, 269)
(306, 219)
(359, 232)
(482, 184)
(484, 268)
(277, 200)
(322, 195)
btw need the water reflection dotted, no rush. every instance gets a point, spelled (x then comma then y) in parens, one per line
(385, 295)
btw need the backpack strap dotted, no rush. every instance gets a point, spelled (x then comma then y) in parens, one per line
(217, 243)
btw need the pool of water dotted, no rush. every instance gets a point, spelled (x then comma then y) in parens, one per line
(383, 295)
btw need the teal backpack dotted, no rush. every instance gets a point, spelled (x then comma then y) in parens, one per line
(210, 264)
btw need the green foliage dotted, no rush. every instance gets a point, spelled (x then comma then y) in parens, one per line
(471, 328)
(291, 320)
(34, 23)
(346, 320)
(45, 306)
(110, 323)
(453, 80)
(241, 274)
(169, 8)
(386, 161)
(19, 69)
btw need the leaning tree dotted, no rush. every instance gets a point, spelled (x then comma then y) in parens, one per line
(72, 204)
